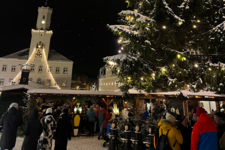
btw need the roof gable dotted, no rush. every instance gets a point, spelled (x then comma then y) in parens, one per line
(23, 55)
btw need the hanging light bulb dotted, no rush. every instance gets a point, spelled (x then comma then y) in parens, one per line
(119, 51)
(142, 78)
(188, 86)
(210, 69)
(173, 65)
(164, 27)
(198, 21)
(163, 69)
(129, 78)
(180, 23)
(196, 65)
(178, 56)
(194, 26)
(122, 48)
(119, 41)
(153, 75)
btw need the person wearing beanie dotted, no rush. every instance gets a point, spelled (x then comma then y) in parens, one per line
(9, 123)
(57, 114)
(185, 130)
(174, 136)
(204, 133)
(49, 128)
(218, 119)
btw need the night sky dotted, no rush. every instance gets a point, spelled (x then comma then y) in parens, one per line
(79, 29)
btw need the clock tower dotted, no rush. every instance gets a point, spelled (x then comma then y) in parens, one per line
(40, 41)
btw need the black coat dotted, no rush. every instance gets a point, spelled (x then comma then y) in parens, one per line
(220, 132)
(57, 114)
(32, 131)
(186, 133)
(63, 131)
(10, 121)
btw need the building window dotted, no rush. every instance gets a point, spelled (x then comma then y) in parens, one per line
(30, 79)
(10, 81)
(32, 69)
(65, 70)
(40, 69)
(39, 80)
(48, 82)
(64, 83)
(1, 81)
(4, 67)
(50, 69)
(13, 68)
(57, 70)
(43, 16)
(56, 83)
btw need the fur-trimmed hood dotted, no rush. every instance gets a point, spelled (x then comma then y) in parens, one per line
(166, 124)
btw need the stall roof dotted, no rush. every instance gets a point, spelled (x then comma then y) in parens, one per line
(15, 87)
(73, 92)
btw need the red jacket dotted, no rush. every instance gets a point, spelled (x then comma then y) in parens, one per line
(204, 134)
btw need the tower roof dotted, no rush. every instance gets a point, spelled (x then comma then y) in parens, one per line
(23, 55)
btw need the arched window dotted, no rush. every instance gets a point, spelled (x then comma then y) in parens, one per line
(39, 80)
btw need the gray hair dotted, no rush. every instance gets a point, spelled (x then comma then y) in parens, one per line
(15, 105)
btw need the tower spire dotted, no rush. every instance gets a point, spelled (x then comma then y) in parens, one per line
(46, 3)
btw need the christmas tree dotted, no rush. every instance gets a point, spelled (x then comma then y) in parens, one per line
(171, 44)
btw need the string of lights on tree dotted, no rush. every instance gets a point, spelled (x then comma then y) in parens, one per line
(158, 39)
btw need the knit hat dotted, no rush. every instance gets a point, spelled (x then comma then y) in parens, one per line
(49, 110)
(199, 111)
(170, 117)
(219, 115)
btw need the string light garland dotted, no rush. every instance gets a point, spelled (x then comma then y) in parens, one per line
(196, 65)
(194, 26)
(180, 23)
(164, 27)
(119, 51)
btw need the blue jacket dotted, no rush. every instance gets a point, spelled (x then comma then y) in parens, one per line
(204, 134)
(145, 115)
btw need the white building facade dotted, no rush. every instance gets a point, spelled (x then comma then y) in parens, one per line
(50, 68)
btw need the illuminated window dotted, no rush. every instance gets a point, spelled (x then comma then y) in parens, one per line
(57, 70)
(48, 82)
(1, 81)
(13, 68)
(65, 70)
(39, 80)
(4, 67)
(64, 83)
(40, 69)
(32, 69)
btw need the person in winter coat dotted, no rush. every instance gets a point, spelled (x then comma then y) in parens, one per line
(145, 114)
(218, 119)
(204, 133)
(49, 127)
(193, 120)
(57, 114)
(32, 131)
(174, 136)
(10, 122)
(91, 119)
(83, 118)
(63, 132)
(185, 130)
(101, 118)
(107, 117)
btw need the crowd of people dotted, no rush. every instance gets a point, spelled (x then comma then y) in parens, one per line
(202, 132)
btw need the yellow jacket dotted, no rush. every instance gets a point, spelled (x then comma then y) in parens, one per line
(173, 135)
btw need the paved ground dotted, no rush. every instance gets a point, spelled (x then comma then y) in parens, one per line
(76, 143)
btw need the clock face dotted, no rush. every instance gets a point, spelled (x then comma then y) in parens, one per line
(38, 53)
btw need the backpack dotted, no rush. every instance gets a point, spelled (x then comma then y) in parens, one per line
(163, 143)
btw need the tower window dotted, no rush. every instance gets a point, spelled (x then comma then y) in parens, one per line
(43, 16)
(4, 67)
(57, 70)
(10, 81)
(40, 69)
(32, 69)
(1, 81)
(13, 69)
(39, 80)
(65, 70)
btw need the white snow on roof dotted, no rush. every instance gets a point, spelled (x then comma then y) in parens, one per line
(73, 92)
(23, 55)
